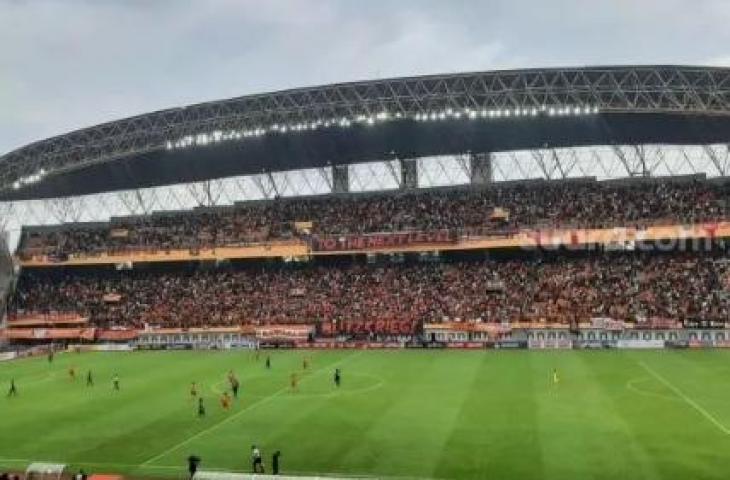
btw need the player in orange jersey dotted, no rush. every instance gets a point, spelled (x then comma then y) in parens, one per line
(294, 382)
(226, 401)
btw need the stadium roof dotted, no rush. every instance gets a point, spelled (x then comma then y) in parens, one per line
(376, 120)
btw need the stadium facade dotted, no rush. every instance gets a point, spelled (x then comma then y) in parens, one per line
(602, 122)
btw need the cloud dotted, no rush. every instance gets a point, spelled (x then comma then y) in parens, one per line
(69, 64)
(721, 61)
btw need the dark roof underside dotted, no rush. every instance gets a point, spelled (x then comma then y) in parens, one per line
(359, 143)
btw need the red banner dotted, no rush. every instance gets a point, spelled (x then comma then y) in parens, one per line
(377, 327)
(490, 328)
(380, 241)
(284, 332)
(48, 334)
(31, 319)
(332, 345)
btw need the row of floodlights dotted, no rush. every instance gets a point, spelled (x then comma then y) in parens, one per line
(29, 179)
(508, 112)
(448, 113)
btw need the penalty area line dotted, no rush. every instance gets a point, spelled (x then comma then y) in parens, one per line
(226, 420)
(684, 397)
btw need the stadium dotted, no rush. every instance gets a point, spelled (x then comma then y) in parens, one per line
(502, 274)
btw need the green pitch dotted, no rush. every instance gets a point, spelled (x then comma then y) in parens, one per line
(426, 414)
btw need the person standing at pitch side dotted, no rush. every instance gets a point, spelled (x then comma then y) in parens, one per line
(193, 462)
(275, 462)
(257, 463)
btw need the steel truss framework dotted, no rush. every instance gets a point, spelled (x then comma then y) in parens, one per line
(634, 89)
(602, 162)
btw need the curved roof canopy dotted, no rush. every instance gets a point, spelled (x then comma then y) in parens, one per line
(376, 120)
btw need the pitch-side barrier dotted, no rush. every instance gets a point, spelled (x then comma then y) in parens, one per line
(214, 475)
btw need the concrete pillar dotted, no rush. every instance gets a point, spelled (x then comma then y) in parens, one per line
(480, 168)
(340, 178)
(408, 173)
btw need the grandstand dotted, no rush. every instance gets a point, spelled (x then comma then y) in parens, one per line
(560, 209)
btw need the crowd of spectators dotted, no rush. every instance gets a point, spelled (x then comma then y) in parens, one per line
(625, 286)
(538, 205)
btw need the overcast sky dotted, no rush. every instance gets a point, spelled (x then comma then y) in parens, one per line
(74, 63)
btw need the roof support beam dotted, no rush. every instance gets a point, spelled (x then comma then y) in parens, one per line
(627, 89)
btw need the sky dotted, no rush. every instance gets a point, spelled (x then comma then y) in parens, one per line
(68, 64)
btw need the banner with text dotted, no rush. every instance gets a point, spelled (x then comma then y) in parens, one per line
(376, 327)
(284, 332)
(380, 241)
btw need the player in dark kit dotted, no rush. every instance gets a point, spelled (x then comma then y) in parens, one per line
(89, 379)
(338, 377)
(233, 381)
(193, 462)
(13, 390)
(115, 382)
(201, 407)
(268, 362)
(235, 386)
(275, 463)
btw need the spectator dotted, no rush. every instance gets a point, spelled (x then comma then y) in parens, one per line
(550, 288)
(542, 205)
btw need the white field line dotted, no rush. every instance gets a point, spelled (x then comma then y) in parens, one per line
(684, 397)
(240, 412)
